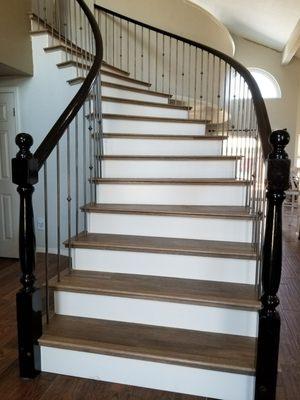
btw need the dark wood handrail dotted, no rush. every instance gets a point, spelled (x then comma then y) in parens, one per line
(56, 132)
(263, 122)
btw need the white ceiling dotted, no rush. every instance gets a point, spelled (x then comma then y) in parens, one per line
(269, 22)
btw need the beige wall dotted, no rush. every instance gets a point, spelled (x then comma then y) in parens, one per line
(180, 17)
(283, 112)
(15, 44)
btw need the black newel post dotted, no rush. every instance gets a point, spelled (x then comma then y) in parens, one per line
(269, 319)
(29, 307)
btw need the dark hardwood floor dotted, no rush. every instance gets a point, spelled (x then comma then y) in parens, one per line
(55, 387)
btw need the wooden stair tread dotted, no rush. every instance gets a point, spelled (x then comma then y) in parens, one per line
(154, 119)
(171, 210)
(143, 103)
(158, 344)
(134, 89)
(152, 244)
(169, 158)
(161, 137)
(219, 294)
(171, 181)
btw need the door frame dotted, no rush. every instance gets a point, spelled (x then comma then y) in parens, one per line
(15, 91)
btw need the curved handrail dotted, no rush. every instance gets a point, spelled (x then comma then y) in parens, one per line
(56, 132)
(263, 121)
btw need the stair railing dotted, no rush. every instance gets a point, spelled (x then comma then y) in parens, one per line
(66, 158)
(223, 94)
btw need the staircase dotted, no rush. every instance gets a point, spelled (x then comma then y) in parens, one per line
(164, 284)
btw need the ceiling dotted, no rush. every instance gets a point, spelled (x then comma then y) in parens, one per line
(268, 22)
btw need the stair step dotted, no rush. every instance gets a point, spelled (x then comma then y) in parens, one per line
(134, 89)
(154, 119)
(163, 245)
(218, 294)
(143, 103)
(231, 212)
(167, 181)
(159, 344)
(161, 137)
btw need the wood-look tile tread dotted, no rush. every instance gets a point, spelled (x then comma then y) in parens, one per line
(204, 293)
(134, 89)
(152, 244)
(161, 137)
(144, 103)
(169, 158)
(154, 119)
(171, 181)
(173, 210)
(158, 344)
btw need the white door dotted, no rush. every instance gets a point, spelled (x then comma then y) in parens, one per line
(9, 202)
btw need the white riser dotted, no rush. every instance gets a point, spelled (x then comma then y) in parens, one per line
(127, 94)
(153, 375)
(145, 147)
(171, 194)
(158, 313)
(169, 265)
(235, 230)
(142, 110)
(120, 81)
(168, 169)
(151, 127)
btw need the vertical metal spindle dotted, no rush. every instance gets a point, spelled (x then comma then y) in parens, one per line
(224, 102)
(170, 63)
(207, 86)
(45, 14)
(163, 64)
(46, 241)
(58, 214)
(128, 46)
(201, 84)
(69, 196)
(142, 53)
(189, 76)
(135, 51)
(182, 71)
(156, 59)
(84, 163)
(149, 56)
(176, 70)
(196, 82)
(121, 43)
(113, 40)
(106, 38)
(213, 89)
(76, 175)
(219, 94)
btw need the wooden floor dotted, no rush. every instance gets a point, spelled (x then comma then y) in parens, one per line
(54, 387)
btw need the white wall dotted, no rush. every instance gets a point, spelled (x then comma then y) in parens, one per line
(180, 17)
(282, 112)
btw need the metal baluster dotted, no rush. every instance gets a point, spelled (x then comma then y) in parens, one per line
(176, 70)
(189, 76)
(170, 64)
(46, 241)
(58, 220)
(207, 87)
(219, 94)
(229, 109)
(128, 46)
(196, 83)
(163, 65)
(224, 102)
(69, 197)
(135, 52)
(84, 162)
(201, 84)
(113, 39)
(45, 14)
(76, 176)
(156, 59)
(121, 43)
(106, 38)
(149, 56)
(183, 71)
(213, 89)
(142, 54)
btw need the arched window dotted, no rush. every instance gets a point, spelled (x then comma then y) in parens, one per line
(267, 84)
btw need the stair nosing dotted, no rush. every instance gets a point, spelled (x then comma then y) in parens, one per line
(201, 300)
(153, 119)
(75, 242)
(170, 181)
(149, 354)
(110, 99)
(168, 158)
(158, 210)
(135, 89)
(161, 137)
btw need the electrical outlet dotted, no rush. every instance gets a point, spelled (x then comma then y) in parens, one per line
(40, 224)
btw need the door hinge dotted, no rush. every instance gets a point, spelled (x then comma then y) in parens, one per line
(14, 112)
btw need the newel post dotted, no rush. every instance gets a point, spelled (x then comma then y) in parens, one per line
(269, 319)
(29, 305)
